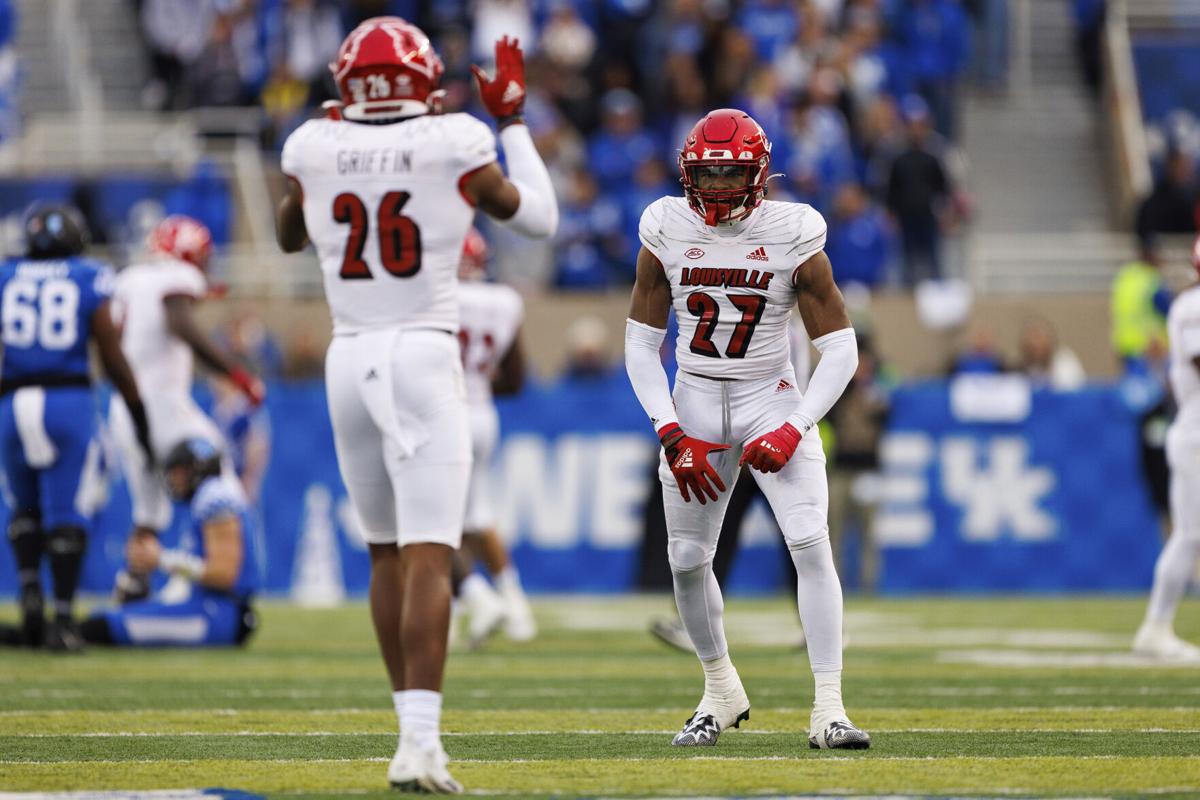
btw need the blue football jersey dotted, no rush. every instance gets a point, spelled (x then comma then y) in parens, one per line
(46, 310)
(218, 497)
(238, 422)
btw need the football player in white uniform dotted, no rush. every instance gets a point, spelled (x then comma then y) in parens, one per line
(1177, 563)
(153, 306)
(494, 364)
(386, 189)
(733, 265)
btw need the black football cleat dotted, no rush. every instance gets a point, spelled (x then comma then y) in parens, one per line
(840, 734)
(62, 636)
(702, 729)
(33, 617)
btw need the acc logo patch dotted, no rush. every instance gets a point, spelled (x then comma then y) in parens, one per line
(695, 252)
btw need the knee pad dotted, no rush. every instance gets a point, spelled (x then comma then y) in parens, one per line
(805, 528)
(95, 630)
(685, 555)
(66, 541)
(24, 523)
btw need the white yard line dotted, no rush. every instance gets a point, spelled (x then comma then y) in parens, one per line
(581, 732)
(826, 755)
(388, 712)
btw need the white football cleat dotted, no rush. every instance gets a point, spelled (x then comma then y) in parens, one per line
(519, 624)
(485, 609)
(838, 733)
(421, 771)
(670, 631)
(712, 716)
(1160, 643)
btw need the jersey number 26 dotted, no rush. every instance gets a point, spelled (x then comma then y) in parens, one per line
(399, 236)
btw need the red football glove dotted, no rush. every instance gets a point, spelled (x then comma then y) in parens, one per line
(688, 459)
(251, 386)
(769, 452)
(504, 95)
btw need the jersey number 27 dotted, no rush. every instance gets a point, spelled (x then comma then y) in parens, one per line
(705, 307)
(399, 237)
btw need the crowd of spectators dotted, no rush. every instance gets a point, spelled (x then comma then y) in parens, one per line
(1173, 205)
(860, 98)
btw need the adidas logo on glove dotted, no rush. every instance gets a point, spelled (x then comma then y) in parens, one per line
(512, 93)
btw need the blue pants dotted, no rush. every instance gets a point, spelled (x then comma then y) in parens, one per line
(206, 619)
(45, 438)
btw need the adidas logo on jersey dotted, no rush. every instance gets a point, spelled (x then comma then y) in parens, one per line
(759, 255)
(783, 386)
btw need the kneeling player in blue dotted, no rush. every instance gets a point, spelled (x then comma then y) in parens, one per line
(215, 571)
(53, 303)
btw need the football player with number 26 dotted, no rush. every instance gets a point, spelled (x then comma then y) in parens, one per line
(385, 187)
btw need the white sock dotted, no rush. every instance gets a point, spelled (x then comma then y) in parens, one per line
(474, 588)
(398, 704)
(819, 597)
(421, 716)
(828, 697)
(508, 581)
(720, 678)
(1172, 574)
(702, 610)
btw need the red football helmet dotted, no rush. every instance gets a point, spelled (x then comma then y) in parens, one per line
(386, 67)
(723, 166)
(473, 266)
(183, 238)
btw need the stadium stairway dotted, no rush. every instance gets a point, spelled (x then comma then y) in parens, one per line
(116, 52)
(44, 85)
(1038, 169)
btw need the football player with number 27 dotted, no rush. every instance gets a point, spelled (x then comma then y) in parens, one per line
(385, 188)
(732, 264)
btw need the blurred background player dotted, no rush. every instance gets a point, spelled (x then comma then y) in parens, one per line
(154, 307)
(1177, 563)
(386, 190)
(245, 428)
(52, 302)
(217, 561)
(736, 384)
(493, 365)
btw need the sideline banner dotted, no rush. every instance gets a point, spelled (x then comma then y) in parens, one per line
(985, 487)
(989, 486)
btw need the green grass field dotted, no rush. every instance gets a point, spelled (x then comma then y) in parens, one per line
(962, 697)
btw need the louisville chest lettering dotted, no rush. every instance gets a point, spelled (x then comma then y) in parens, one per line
(732, 277)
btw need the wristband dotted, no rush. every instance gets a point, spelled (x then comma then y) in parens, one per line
(182, 563)
(509, 119)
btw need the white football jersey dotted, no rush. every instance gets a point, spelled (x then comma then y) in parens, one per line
(161, 363)
(491, 316)
(733, 288)
(383, 206)
(1183, 330)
